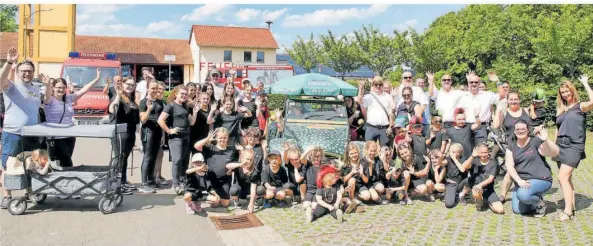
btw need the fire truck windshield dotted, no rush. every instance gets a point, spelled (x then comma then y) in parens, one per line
(79, 76)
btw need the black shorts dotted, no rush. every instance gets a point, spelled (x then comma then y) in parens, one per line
(309, 197)
(222, 186)
(395, 182)
(195, 195)
(414, 183)
(490, 196)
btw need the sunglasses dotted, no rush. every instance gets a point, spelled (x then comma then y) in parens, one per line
(474, 82)
(446, 80)
(377, 85)
(438, 121)
(417, 126)
(407, 95)
(407, 77)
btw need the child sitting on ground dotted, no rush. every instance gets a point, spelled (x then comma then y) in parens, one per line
(196, 183)
(328, 195)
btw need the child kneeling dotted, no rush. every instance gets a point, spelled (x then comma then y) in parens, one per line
(196, 183)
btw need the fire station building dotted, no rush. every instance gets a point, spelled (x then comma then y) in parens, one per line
(208, 47)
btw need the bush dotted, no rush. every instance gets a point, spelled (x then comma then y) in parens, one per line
(276, 101)
(166, 95)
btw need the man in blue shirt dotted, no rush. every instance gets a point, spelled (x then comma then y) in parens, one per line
(22, 101)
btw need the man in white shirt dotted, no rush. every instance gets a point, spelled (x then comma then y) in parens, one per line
(478, 101)
(417, 92)
(147, 72)
(375, 108)
(426, 115)
(446, 99)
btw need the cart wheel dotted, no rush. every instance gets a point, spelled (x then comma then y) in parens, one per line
(38, 198)
(119, 198)
(17, 206)
(107, 205)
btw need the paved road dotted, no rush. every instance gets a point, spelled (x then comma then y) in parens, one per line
(156, 219)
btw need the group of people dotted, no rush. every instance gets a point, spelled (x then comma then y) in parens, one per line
(218, 149)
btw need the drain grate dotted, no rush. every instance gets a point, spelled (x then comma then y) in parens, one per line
(236, 222)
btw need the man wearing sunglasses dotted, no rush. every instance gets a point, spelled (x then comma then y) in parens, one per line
(476, 101)
(446, 99)
(417, 92)
(376, 108)
(22, 101)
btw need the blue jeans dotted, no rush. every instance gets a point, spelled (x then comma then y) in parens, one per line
(525, 200)
(12, 145)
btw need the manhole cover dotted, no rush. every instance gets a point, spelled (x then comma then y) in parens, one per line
(236, 222)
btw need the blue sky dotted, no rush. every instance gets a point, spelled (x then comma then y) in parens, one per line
(174, 21)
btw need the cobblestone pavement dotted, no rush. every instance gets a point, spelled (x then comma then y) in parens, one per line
(426, 223)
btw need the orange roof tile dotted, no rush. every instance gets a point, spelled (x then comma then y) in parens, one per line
(128, 49)
(229, 36)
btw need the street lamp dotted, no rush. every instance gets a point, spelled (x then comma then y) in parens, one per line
(25, 32)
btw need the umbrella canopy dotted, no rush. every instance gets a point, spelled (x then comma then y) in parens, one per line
(313, 84)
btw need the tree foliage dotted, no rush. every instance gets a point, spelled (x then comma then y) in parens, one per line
(378, 50)
(8, 14)
(305, 53)
(341, 54)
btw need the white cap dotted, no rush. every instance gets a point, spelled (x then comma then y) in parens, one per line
(197, 157)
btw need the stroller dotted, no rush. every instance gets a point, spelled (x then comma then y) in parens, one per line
(68, 181)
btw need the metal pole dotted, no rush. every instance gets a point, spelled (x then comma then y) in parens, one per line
(169, 75)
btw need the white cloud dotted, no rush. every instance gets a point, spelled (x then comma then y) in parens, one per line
(206, 12)
(102, 20)
(273, 15)
(325, 17)
(407, 24)
(244, 15)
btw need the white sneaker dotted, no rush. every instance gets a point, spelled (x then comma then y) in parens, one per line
(339, 215)
(309, 214)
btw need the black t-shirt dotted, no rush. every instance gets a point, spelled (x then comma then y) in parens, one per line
(463, 136)
(231, 122)
(481, 172)
(153, 115)
(329, 195)
(251, 121)
(419, 165)
(291, 169)
(540, 116)
(274, 179)
(346, 169)
(244, 179)
(126, 113)
(529, 163)
(179, 116)
(258, 159)
(201, 128)
(311, 177)
(418, 145)
(453, 173)
(217, 159)
(111, 92)
(377, 170)
(196, 182)
(437, 142)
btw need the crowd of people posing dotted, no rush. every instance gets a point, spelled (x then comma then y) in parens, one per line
(400, 149)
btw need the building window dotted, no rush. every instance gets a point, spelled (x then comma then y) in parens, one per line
(228, 55)
(247, 56)
(260, 56)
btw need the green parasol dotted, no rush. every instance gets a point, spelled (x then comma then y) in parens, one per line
(313, 84)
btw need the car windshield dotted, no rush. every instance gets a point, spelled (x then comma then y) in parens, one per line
(316, 110)
(79, 76)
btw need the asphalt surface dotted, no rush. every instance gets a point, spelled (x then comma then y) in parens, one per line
(154, 219)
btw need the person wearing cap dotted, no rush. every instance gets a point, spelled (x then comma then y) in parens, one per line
(245, 180)
(196, 184)
(274, 178)
(537, 111)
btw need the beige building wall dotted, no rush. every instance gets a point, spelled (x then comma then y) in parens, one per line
(203, 55)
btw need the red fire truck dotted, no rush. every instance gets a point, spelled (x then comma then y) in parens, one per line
(80, 69)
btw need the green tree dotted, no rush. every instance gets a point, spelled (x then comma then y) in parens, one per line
(8, 14)
(341, 54)
(305, 53)
(379, 52)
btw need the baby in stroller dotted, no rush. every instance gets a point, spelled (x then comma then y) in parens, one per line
(37, 162)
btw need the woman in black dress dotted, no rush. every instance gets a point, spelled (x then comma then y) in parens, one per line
(571, 136)
(124, 110)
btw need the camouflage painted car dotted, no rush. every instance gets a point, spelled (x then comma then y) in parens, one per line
(309, 121)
